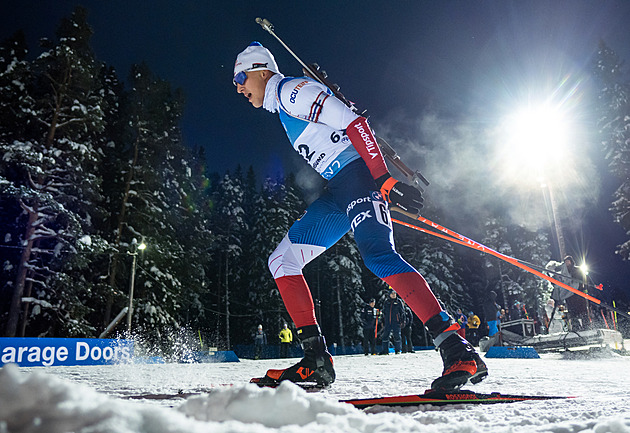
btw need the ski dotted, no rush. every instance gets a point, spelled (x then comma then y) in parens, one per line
(430, 397)
(442, 398)
(306, 386)
(157, 396)
(181, 394)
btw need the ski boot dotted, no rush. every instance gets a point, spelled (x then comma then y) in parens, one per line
(315, 369)
(461, 362)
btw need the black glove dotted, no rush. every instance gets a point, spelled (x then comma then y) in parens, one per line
(401, 195)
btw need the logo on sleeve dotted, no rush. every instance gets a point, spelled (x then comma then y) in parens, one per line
(377, 196)
(362, 216)
(366, 136)
(295, 91)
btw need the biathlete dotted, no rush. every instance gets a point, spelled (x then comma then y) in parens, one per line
(341, 147)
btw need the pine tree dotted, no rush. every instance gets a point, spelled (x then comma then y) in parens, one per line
(53, 162)
(436, 260)
(195, 233)
(229, 226)
(276, 207)
(512, 282)
(614, 128)
(152, 205)
(342, 292)
(532, 247)
(15, 74)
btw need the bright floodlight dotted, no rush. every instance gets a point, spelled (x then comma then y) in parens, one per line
(535, 135)
(142, 246)
(584, 268)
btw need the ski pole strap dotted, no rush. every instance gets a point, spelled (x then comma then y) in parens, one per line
(387, 187)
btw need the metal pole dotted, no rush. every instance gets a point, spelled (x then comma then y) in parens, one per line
(115, 322)
(134, 253)
(557, 223)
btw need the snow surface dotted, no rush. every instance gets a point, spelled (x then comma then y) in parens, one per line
(97, 399)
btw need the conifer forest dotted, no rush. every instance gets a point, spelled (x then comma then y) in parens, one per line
(93, 164)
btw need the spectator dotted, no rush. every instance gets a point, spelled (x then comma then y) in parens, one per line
(393, 321)
(462, 320)
(472, 331)
(492, 311)
(260, 340)
(369, 318)
(286, 338)
(518, 311)
(407, 344)
(579, 317)
(523, 311)
(553, 317)
(514, 312)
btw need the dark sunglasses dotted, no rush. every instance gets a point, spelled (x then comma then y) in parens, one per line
(242, 76)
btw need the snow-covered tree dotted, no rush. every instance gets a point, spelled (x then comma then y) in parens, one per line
(614, 128)
(276, 208)
(512, 283)
(342, 292)
(152, 204)
(52, 175)
(229, 226)
(436, 260)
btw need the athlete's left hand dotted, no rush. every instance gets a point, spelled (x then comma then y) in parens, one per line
(400, 195)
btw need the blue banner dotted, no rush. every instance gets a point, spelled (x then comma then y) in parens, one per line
(47, 352)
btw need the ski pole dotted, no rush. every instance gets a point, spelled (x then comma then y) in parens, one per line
(462, 240)
(455, 237)
(543, 269)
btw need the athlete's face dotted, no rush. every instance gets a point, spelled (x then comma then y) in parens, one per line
(254, 87)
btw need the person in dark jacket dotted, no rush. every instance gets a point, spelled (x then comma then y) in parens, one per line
(462, 319)
(260, 340)
(369, 317)
(492, 310)
(393, 321)
(407, 344)
(571, 275)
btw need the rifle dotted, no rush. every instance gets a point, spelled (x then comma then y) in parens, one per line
(415, 178)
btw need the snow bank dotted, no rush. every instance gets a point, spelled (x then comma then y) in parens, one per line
(286, 405)
(39, 403)
(63, 399)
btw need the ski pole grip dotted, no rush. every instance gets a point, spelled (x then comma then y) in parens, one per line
(403, 212)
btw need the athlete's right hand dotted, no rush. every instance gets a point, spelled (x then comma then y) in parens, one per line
(400, 195)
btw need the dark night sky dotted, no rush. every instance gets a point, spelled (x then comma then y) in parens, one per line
(429, 71)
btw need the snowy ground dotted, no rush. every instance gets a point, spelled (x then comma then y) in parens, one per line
(95, 399)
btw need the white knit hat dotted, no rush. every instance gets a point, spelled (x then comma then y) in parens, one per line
(255, 57)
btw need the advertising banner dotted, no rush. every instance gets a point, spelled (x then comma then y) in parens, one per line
(47, 352)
